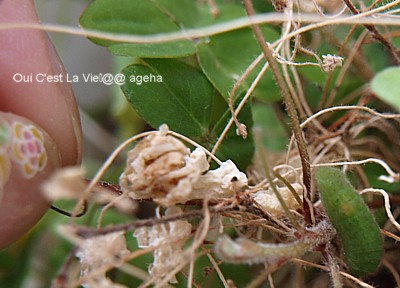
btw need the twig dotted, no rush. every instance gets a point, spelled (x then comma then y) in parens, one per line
(218, 270)
(86, 232)
(375, 33)
(358, 281)
(305, 159)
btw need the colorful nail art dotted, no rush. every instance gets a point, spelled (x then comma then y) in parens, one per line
(23, 145)
(5, 165)
(28, 148)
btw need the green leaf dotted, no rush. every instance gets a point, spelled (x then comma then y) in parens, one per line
(274, 136)
(189, 104)
(386, 86)
(142, 17)
(182, 99)
(226, 56)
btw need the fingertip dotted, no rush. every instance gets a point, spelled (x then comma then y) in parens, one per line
(51, 105)
(27, 156)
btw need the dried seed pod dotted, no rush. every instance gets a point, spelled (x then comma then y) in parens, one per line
(243, 250)
(356, 227)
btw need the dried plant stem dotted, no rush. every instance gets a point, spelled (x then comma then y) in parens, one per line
(387, 204)
(333, 269)
(285, 208)
(271, 281)
(289, 186)
(382, 163)
(354, 51)
(213, 8)
(191, 272)
(318, 21)
(86, 232)
(233, 119)
(391, 235)
(218, 270)
(263, 276)
(358, 281)
(62, 278)
(338, 108)
(305, 159)
(102, 170)
(190, 254)
(375, 33)
(236, 87)
(108, 206)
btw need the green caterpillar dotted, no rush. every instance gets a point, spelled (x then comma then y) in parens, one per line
(355, 226)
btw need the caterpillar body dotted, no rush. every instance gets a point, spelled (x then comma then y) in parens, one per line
(356, 227)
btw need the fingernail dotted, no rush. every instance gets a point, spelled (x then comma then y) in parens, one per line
(69, 98)
(27, 156)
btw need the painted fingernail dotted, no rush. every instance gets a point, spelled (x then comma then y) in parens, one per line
(27, 157)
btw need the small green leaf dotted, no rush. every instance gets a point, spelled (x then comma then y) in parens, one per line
(386, 86)
(182, 99)
(142, 17)
(355, 225)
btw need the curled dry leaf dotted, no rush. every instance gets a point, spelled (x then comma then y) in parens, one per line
(162, 168)
(171, 237)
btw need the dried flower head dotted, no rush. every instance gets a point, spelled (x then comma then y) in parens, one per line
(162, 168)
(171, 236)
(65, 183)
(330, 62)
(150, 164)
(270, 203)
(100, 253)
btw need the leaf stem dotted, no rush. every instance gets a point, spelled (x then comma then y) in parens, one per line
(294, 119)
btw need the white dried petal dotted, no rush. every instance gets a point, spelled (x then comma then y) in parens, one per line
(101, 252)
(104, 196)
(270, 203)
(173, 236)
(65, 183)
(195, 164)
(224, 181)
(331, 62)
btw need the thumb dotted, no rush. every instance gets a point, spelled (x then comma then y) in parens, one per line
(47, 111)
(27, 156)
